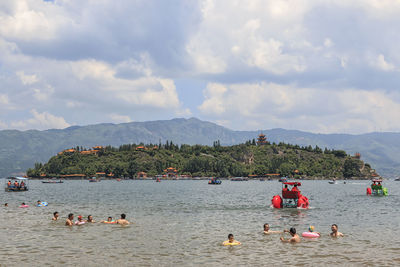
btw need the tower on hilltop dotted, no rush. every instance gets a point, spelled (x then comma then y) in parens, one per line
(261, 140)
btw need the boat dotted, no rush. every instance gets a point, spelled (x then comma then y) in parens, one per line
(377, 189)
(239, 179)
(214, 181)
(262, 179)
(397, 179)
(333, 181)
(52, 182)
(290, 198)
(16, 184)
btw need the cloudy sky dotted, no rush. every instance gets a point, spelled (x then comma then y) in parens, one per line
(320, 66)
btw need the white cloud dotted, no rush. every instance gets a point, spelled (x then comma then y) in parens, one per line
(27, 79)
(382, 64)
(4, 99)
(268, 105)
(42, 121)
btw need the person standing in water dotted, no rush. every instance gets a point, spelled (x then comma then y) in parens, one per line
(267, 231)
(123, 220)
(69, 222)
(335, 232)
(231, 241)
(55, 216)
(90, 219)
(295, 237)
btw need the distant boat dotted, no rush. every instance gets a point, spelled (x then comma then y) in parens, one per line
(94, 180)
(262, 179)
(214, 181)
(52, 182)
(239, 179)
(333, 181)
(397, 179)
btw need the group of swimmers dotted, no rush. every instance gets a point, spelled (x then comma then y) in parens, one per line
(70, 220)
(24, 205)
(295, 238)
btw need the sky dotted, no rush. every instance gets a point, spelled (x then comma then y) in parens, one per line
(314, 65)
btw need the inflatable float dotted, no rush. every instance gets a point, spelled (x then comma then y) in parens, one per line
(310, 235)
(24, 206)
(227, 243)
(290, 198)
(42, 204)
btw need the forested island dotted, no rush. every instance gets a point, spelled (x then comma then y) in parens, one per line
(250, 159)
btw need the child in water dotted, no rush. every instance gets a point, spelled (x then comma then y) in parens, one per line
(231, 241)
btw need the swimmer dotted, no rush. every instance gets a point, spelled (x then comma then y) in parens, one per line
(335, 232)
(267, 231)
(55, 216)
(90, 219)
(39, 203)
(80, 220)
(5, 204)
(311, 229)
(295, 237)
(123, 220)
(231, 241)
(69, 220)
(109, 220)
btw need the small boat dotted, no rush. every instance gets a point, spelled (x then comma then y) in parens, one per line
(16, 184)
(397, 179)
(52, 182)
(282, 180)
(214, 181)
(377, 189)
(239, 179)
(333, 181)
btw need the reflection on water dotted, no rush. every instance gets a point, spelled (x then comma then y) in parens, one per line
(184, 223)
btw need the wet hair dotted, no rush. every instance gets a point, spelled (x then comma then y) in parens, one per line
(89, 216)
(265, 224)
(23, 203)
(5, 204)
(123, 216)
(335, 225)
(285, 185)
(292, 230)
(56, 212)
(70, 215)
(230, 235)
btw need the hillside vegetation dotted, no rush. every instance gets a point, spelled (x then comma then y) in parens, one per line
(199, 160)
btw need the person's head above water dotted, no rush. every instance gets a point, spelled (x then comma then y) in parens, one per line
(230, 238)
(334, 227)
(123, 216)
(55, 214)
(292, 231)
(80, 218)
(90, 218)
(266, 226)
(70, 216)
(109, 219)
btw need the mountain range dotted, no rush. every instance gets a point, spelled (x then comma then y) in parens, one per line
(19, 150)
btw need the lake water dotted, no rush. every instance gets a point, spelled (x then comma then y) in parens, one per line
(182, 223)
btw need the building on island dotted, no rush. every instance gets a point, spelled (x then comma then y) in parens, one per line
(261, 140)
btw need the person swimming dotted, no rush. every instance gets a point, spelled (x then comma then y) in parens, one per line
(69, 220)
(109, 220)
(80, 221)
(55, 216)
(335, 232)
(90, 219)
(123, 220)
(295, 237)
(267, 230)
(311, 229)
(231, 241)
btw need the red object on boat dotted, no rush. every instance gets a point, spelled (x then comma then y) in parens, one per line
(302, 202)
(277, 202)
(369, 191)
(292, 183)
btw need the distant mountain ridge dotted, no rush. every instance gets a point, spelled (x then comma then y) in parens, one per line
(19, 150)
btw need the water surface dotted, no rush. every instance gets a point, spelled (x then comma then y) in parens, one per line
(184, 223)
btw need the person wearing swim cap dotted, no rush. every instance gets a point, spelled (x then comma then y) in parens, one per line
(80, 220)
(123, 220)
(267, 230)
(69, 220)
(335, 232)
(231, 241)
(295, 237)
(311, 229)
